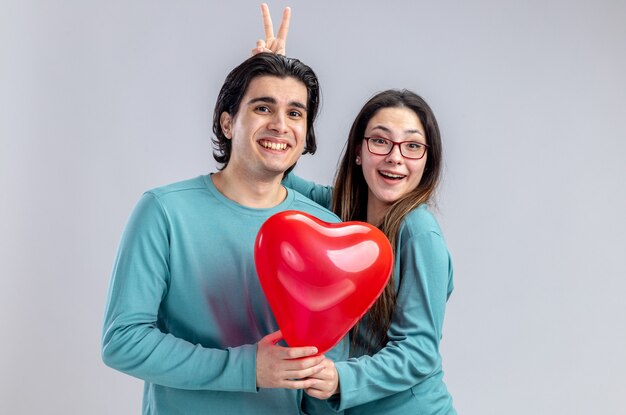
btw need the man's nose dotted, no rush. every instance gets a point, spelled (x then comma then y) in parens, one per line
(278, 122)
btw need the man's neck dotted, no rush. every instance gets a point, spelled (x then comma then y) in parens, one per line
(250, 192)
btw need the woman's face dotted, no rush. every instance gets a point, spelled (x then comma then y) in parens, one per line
(391, 176)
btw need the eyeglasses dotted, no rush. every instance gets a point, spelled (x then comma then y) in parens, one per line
(409, 149)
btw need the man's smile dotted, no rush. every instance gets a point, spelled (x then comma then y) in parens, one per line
(273, 145)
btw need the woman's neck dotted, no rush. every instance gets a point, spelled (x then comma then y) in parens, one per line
(376, 211)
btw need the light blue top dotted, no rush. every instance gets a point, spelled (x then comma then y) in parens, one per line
(185, 308)
(405, 376)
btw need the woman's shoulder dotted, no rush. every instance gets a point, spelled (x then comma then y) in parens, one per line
(418, 221)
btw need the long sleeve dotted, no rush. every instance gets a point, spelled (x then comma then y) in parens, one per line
(132, 341)
(318, 193)
(411, 355)
(185, 307)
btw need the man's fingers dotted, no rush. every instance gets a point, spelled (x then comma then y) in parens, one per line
(284, 25)
(299, 383)
(294, 353)
(286, 367)
(272, 338)
(308, 372)
(267, 22)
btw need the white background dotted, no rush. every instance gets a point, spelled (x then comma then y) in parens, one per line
(100, 101)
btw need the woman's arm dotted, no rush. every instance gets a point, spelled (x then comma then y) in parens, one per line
(411, 355)
(318, 193)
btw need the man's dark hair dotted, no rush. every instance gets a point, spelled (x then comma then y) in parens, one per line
(236, 85)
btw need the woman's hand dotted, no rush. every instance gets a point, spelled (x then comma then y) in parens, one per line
(326, 381)
(273, 44)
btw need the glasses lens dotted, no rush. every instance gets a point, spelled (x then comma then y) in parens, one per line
(412, 149)
(379, 145)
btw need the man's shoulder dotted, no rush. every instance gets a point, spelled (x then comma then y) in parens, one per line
(305, 204)
(195, 184)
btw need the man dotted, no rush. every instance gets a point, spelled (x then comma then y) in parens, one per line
(185, 311)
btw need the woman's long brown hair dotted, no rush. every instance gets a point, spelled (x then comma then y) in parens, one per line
(350, 195)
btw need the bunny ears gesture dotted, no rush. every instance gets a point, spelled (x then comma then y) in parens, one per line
(273, 44)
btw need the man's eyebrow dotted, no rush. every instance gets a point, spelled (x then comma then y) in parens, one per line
(387, 130)
(271, 100)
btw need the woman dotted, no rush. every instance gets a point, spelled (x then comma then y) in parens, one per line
(388, 174)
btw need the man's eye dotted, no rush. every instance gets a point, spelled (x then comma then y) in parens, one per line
(295, 114)
(262, 108)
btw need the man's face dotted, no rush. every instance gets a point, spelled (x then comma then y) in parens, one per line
(269, 131)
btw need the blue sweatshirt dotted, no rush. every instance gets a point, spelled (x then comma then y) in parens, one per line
(185, 308)
(405, 376)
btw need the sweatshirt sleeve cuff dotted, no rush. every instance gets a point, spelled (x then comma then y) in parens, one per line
(346, 384)
(245, 357)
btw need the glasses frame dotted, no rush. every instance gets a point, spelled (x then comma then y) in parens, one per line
(393, 144)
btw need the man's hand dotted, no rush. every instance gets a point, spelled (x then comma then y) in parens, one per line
(286, 367)
(326, 381)
(273, 44)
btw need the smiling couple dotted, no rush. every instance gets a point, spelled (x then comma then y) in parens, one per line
(185, 310)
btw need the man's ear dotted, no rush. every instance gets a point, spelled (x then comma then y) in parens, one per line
(226, 124)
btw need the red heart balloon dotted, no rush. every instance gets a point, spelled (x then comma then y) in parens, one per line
(320, 278)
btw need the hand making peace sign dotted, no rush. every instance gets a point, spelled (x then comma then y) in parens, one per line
(273, 44)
